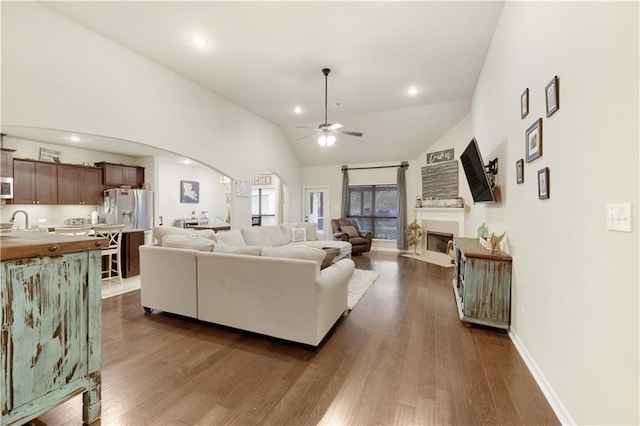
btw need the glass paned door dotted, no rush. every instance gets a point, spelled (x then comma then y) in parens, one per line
(315, 204)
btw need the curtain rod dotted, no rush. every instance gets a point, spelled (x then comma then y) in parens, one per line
(403, 164)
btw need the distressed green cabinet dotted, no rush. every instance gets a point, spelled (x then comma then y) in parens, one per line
(51, 334)
(482, 284)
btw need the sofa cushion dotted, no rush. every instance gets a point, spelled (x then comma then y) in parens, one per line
(255, 236)
(296, 252)
(350, 231)
(221, 247)
(232, 237)
(205, 233)
(188, 242)
(275, 235)
(160, 231)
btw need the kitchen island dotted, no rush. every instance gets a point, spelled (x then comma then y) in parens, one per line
(51, 324)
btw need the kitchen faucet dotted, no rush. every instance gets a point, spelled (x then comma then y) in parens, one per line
(26, 218)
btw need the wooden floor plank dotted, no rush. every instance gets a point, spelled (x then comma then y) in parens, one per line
(402, 356)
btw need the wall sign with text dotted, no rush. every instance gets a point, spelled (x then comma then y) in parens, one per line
(440, 156)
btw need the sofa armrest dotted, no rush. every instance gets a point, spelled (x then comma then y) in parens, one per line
(332, 293)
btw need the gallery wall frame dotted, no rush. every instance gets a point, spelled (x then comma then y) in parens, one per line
(533, 141)
(520, 171)
(552, 96)
(189, 191)
(543, 183)
(524, 103)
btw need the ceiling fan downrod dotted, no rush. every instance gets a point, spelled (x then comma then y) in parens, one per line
(326, 72)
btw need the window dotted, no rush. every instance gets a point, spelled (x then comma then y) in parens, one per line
(375, 208)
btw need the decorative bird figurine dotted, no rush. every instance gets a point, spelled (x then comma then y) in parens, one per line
(495, 242)
(482, 229)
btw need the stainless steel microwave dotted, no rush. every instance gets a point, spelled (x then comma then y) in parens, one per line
(6, 188)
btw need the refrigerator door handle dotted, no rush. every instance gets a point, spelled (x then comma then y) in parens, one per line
(136, 201)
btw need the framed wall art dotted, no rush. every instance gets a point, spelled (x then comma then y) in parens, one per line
(189, 191)
(552, 96)
(543, 183)
(533, 141)
(524, 103)
(520, 171)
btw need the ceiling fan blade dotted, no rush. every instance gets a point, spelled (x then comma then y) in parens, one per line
(347, 132)
(335, 126)
(304, 137)
(305, 127)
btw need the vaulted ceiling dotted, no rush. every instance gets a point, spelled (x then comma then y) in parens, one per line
(268, 56)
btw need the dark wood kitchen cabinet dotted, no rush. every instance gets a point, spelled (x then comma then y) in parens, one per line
(79, 185)
(6, 162)
(129, 253)
(119, 174)
(35, 182)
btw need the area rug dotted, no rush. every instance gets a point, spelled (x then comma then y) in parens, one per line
(113, 287)
(360, 282)
(440, 259)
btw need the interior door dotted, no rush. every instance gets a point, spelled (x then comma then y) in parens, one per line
(316, 205)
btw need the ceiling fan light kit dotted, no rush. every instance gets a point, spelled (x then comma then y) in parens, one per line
(328, 131)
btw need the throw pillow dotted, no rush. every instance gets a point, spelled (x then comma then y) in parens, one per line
(226, 248)
(187, 242)
(350, 231)
(255, 236)
(232, 237)
(275, 235)
(298, 234)
(160, 231)
(205, 233)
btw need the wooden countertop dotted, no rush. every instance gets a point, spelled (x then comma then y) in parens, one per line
(471, 247)
(23, 244)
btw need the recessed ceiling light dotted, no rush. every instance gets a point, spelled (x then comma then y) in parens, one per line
(198, 41)
(412, 91)
(298, 110)
(74, 139)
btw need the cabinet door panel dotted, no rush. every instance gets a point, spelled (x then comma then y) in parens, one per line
(46, 189)
(68, 185)
(24, 182)
(91, 187)
(113, 175)
(45, 309)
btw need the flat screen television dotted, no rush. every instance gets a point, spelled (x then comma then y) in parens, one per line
(479, 183)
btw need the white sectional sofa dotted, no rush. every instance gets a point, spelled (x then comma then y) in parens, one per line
(275, 290)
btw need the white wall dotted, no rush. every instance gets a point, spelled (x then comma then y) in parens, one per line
(211, 197)
(59, 75)
(575, 284)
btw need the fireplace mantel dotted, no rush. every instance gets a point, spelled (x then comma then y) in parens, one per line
(443, 214)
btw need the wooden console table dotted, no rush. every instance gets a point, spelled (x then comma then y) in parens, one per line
(215, 228)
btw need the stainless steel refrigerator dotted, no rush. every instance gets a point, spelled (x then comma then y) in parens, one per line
(130, 207)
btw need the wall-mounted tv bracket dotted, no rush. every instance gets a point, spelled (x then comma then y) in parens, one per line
(492, 170)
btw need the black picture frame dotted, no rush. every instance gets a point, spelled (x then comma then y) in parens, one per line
(552, 96)
(524, 103)
(533, 141)
(189, 192)
(520, 171)
(543, 183)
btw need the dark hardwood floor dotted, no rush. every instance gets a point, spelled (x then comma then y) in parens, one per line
(401, 357)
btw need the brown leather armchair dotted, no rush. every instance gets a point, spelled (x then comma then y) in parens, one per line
(348, 230)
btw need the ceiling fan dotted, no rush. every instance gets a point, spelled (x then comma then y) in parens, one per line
(328, 131)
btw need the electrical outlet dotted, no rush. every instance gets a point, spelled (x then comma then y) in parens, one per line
(619, 217)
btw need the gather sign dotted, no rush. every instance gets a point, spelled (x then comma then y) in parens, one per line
(440, 156)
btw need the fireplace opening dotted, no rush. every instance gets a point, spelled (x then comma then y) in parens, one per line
(437, 241)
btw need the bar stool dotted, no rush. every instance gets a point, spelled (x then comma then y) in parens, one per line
(113, 234)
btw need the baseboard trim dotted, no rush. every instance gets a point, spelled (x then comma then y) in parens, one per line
(556, 404)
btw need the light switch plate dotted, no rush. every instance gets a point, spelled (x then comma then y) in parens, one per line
(619, 217)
